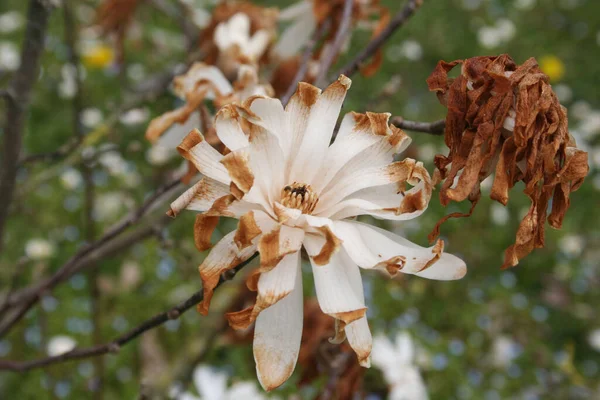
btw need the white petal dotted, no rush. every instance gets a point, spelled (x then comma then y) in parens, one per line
(175, 134)
(295, 36)
(359, 337)
(205, 75)
(296, 10)
(277, 338)
(319, 130)
(384, 353)
(338, 284)
(266, 161)
(229, 130)
(277, 283)
(372, 247)
(208, 161)
(199, 197)
(362, 177)
(270, 115)
(257, 44)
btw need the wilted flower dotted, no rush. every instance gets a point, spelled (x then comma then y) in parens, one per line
(39, 249)
(290, 189)
(60, 344)
(506, 118)
(397, 362)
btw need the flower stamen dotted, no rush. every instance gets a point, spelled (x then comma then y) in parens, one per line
(299, 196)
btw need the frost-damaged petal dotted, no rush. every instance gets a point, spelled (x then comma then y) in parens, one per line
(278, 243)
(359, 337)
(277, 338)
(372, 247)
(360, 133)
(272, 284)
(364, 177)
(203, 229)
(205, 158)
(338, 284)
(229, 131)
(199, 197)
(390, 201)
(247, 231)
(223, 257)
(319, 129)
(238, 168)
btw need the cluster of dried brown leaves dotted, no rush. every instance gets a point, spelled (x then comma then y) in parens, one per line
(505, 118)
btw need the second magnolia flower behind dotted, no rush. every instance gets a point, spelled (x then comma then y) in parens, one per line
(289, 188)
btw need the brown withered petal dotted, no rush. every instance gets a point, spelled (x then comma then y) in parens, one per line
(505, 118)
(203, 229)
(331, 246)
(247, 231)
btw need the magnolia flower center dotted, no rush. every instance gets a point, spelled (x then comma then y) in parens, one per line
(299, 196)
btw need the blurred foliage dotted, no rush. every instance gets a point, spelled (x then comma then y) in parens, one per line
(544, 310)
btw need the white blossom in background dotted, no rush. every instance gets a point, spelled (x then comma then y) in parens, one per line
(563, 92)
(594, 339)
(572, 245)
(504, 351)
(68, 85)
(302, 25)
(291, 189)
(60, 344)
(91, 117)
(397, 362)
(71, 178)
(39, 249)
(11, 21)
(9, 56)
(211, 384)
(412, 50)
(499, 214)
(159, 154)
(135, 116)
(114, 163)
(235, 34)
(580, 109)
(111, 205)
(500, 33)
(590, 124)
(525, 4)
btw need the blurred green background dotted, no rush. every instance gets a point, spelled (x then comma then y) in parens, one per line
(532, 332)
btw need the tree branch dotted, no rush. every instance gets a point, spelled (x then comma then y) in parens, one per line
(114, 345)
(19, 91)
(433, 128)
(399, 19)
(30, 295)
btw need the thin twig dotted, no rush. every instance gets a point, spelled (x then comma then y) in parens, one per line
(20, 90)
(115, 345)
(308, 53)
(32, 294)
(337, 44)
(399, 19)
(433, 128)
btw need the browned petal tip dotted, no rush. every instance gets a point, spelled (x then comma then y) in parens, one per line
(350, 316)
(193, 138)
(331, 246)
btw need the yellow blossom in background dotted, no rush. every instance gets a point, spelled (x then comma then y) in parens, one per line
(98, 56)
(553, 67)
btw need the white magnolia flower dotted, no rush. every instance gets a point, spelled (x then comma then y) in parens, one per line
(39, 249)
(290, 189)
(212, 385)
(60, 344)
(234, 36)
(397, 361)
